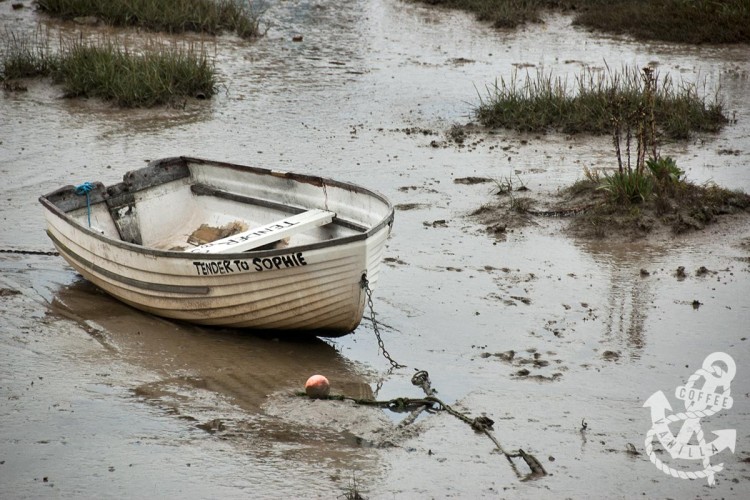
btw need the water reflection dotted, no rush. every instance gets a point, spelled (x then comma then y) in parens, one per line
(240, 365)
(630, 293)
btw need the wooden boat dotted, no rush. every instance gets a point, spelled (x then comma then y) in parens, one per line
(228, 245)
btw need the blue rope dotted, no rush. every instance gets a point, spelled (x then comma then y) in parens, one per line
(82, 189)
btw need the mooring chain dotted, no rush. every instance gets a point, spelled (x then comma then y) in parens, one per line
(480, 424)
(381, 345)
(422, 379)
(28, 252)
(396, 404)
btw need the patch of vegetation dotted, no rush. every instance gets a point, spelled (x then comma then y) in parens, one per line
(172, 16)
(595, 100)
(693, 21)
(25, 57)
(686, 21)
(352, 492)
(644, 192)
(504, 13)
(110, 71)
(680, 205)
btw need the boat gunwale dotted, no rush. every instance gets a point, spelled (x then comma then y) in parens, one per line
(173, 254)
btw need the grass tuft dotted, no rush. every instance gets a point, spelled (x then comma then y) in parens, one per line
(594, 101)
(110, 71)
(171, 16)
(682, 21)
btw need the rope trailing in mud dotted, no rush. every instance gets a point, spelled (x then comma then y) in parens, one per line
(422, 379)
(27, 252)
(481, 424)
(82, 189)
(366, 285)
(395, 404)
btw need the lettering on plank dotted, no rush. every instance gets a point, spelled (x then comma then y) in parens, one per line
(219, 267)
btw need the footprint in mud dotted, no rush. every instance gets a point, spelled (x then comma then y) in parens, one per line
(470, 181)
(394, 261)
(534, 360)
(406, 189)
(411, 206)
(436, 223)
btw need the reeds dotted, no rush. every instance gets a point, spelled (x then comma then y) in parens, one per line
(171, 16)
(593, 101)
(681, 21)
(110, 71)
(106, 69)
(684, 21)
(24, 56)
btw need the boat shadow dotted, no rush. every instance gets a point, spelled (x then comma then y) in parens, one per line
(243, 366)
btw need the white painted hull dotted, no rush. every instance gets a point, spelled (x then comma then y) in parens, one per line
(314, 285)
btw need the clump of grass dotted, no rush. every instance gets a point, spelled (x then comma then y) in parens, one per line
(172, 16)
(693, 21)
(687, 21)
(26, 57)
(110, 71)
(628, 187)
(594, 100)
(107, 70)
(501, 13)
(352, 492)
(646, 183)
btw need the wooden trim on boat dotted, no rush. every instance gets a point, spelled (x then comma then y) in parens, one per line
(267, 233)
(204, 190)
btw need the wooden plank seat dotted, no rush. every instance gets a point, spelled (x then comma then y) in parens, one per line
(268, 233)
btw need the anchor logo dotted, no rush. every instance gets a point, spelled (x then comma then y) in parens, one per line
(699, 403)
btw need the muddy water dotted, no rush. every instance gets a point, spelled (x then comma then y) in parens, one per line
(99, 400)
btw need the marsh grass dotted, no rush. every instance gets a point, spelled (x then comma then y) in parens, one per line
(106, 69)
(687, 21)
(502, 13)
(110, 71)
(172, 16)
(26, 56)
(646, 188)
(683, 21)
(593, 101)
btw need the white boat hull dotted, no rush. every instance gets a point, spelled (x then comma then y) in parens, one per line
(315, 286)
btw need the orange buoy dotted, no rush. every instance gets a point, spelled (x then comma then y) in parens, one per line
(317, 386)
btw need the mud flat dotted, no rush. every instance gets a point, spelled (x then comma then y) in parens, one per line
(99, 400)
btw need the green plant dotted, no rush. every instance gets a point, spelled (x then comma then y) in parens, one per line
(665, 169)
(26, 56)
(686, 21)
(153, 75)
(173, 16)
(110, 71)
(628, 187)
(638, 103)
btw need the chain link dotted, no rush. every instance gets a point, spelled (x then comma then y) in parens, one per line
(28, 252)
(381, 345)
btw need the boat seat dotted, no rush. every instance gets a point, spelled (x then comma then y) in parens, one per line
(268, 233)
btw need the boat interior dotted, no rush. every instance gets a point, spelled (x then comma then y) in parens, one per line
(193, 205)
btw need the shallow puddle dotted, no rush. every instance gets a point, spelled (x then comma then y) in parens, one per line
(101, 400)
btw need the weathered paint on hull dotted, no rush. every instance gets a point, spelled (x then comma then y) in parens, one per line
(314, 288)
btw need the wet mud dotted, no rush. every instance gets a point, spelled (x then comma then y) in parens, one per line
(560, 340)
